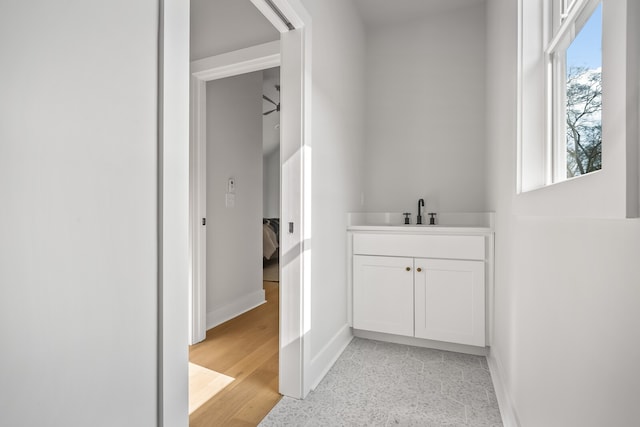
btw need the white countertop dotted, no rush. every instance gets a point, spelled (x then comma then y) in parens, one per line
(421, 229)
(448, 223)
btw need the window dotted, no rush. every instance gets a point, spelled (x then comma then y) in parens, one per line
(575, 89)
(578, 108)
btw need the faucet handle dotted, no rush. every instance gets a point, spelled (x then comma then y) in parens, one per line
(432, 220)
(406, 217)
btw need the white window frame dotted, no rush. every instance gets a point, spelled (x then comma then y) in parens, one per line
(613, 191)
(567, 20)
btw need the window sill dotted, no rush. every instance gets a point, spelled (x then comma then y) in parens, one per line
(595, 195)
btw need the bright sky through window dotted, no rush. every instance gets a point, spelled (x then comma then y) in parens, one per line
(586, 49)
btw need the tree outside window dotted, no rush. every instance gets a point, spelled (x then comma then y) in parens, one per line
(584, 121)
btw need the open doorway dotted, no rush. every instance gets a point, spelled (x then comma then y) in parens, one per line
(271, 175)
(295, 45)
(239, 356)
(224, 202)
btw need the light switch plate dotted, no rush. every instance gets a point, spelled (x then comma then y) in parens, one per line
(230, 200)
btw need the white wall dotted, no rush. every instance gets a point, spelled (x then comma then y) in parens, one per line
(567, 290)
(226, 25)
(337, 164)
(425, 113)
(234, 234)
(271, 184)
(78, 184)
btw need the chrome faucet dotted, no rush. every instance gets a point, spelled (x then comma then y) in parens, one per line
(420, 204)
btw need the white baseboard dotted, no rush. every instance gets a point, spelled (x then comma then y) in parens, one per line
(420, 342)
(507, 410)
(235, 308)
(321, 364)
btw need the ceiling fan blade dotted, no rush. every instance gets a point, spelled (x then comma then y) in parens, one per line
(267, 98)
(269, 112)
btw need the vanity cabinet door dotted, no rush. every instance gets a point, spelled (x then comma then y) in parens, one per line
(450, 301)
(383, 294)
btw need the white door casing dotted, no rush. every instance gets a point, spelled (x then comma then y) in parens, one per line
(173, 213)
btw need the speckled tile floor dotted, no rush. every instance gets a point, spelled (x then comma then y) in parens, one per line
(376, 383)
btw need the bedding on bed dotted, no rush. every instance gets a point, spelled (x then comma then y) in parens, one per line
(270, 237)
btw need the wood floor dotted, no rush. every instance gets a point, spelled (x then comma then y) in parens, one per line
(246, 349)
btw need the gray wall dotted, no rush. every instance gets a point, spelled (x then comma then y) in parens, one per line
(234, 234)
(271, 185)
(78, 184)
(425, 113)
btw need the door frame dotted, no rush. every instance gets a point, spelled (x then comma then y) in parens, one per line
(292, 53)
(242, 61)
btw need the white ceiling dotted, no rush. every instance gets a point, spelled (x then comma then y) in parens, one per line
(382, 12)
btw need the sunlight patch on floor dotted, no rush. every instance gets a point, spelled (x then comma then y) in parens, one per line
(204, 384)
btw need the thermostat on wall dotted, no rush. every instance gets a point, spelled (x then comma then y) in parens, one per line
(231, 186)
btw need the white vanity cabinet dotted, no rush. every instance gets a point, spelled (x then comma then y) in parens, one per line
(423, 285)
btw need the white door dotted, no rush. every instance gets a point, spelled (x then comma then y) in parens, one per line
(383, 294)
(450, 301)
(294, 229)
